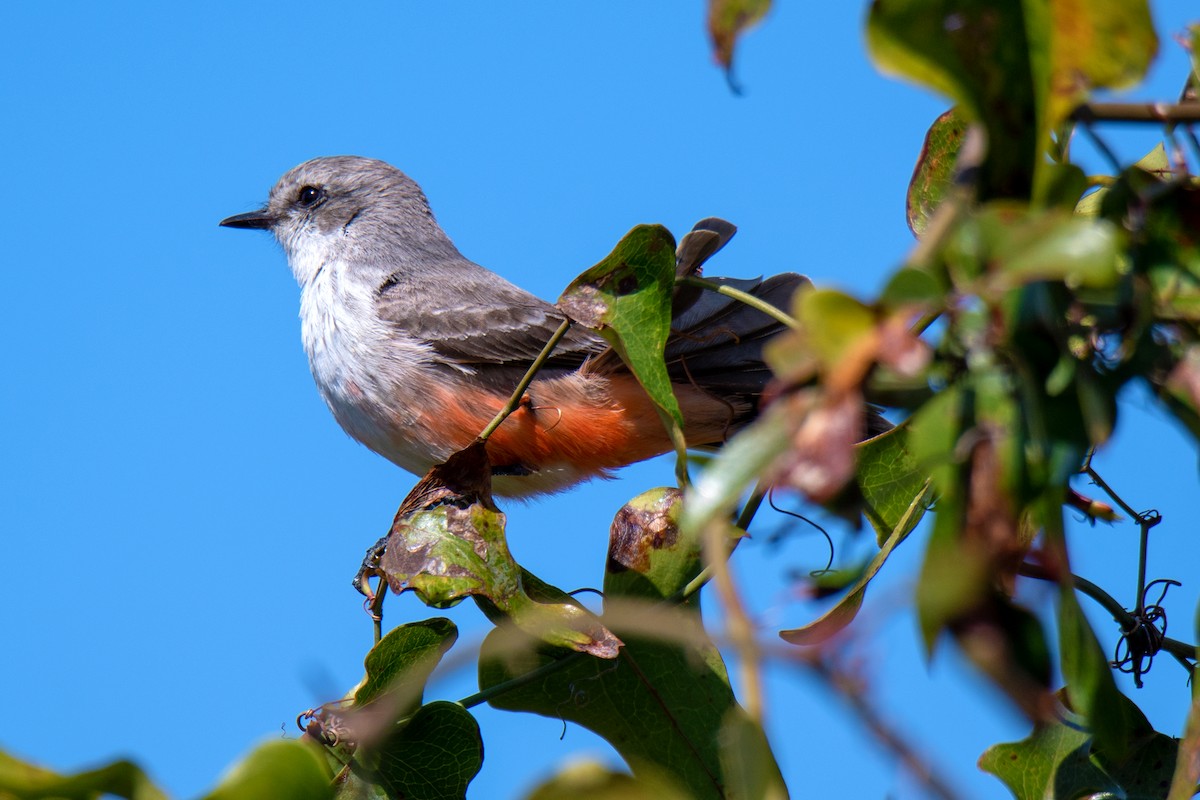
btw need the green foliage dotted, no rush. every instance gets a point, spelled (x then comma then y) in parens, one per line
(434, 755)
(843, 613)
(1003, 341)
(1035, 294)
(663, 701)
(1060, 760)
(404, 659)
(394, 746)
(597, 783)
(445, 554)
(279, 768)
(727, 21)
(24, 781)
(934, 173)
(626, 298)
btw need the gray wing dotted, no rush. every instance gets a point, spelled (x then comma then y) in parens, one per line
(475, 318)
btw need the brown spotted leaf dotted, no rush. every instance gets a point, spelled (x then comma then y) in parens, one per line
(448, 542)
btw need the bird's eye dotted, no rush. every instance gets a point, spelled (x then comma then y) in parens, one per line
(309, 195)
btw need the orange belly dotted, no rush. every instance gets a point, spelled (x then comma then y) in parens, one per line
(590, 423)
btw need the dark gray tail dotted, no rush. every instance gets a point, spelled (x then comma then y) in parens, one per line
(717, 341)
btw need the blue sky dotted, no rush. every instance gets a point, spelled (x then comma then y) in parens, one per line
(180, 516)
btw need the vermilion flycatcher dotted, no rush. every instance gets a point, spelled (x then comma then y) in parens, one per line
(415, 348)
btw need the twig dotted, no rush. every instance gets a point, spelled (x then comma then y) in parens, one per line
(743, 522)
(1137, 112)
(1182, 651)
(1145, 520)
(745, 297)
(922, 325)
(519, 392)
(1102, 146)
(893, 740)
(737, 621)
(376, 608)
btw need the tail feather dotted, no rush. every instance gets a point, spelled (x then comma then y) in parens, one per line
(717, 343)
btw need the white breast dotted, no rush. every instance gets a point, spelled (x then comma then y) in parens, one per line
(368, 372)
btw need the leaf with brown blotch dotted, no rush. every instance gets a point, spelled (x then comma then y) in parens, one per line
(447, 543)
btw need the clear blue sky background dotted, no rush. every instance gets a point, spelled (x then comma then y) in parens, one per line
(179, 514)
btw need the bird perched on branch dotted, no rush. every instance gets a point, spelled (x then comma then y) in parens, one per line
(415, 348)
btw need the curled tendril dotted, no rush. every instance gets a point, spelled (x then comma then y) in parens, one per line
(816, 573)
(1143, 639)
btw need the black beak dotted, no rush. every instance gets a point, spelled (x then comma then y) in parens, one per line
(259, 220)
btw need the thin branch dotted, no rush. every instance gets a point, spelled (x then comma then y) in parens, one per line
(922, 324)
(519, 392)
(1137, 112)
(1096, 479)
(894, 741)
(743, 522)
(1145, 520)
(745, 297)
(375, 607)
(1182, 651)
(1102, 146)
(737, 621)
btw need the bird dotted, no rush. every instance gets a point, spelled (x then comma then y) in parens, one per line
(415, 348)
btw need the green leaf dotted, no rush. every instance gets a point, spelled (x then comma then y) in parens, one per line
(1022, 246)
(1097, 44)
(834, 324)
(1155, 163)
(1052, 762)
(277, 768)
(912, 286)
(728, 20)
(1194, 49)
(749, 768)
(736, 467)
(981, 54)
(889, 480)
(591, 781)
(403, 661)
(434, 756)
(933, 435)
(846, 609)
(447, 553)
(626, 298)
(1056, 760)
(1090, 686)
(20, 779)
(934, 174)
(662, 702)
